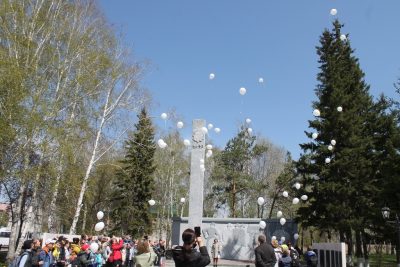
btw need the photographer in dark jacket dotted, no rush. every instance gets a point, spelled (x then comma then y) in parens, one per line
(265, 255)
(186, 255)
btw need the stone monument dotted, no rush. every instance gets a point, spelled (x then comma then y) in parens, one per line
(196, 174)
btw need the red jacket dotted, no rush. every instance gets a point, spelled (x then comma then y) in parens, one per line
(116, 251)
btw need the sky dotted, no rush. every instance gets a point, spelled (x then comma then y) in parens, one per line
(242, 40)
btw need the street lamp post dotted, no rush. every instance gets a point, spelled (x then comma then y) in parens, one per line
(386, 216)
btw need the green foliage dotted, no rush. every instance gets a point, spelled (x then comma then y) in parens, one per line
(364, 157)
(134, 185)
(231, 171)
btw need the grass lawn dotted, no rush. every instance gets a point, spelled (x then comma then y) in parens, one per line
(382, 260)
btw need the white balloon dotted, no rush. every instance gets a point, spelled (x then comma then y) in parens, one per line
(343, 37)
(100, 215)
(339, 109)
(260, 201)
(179, 124)
(283, 239)
(242, 91)
(209, 147)
(327, 160)
(217, 130)
(248, 120)
(316, 113)
(333, 12)
(210, 126)
(304, 197)
(186, 142)
(94, 247)
(212, 76)
(203, 169)
(164, 116)
(296, 236)
(152, 202)
(285, 194)
(161, 143)
(262, 224)
(333, 142)
(202, 166)
(183, 200)
(250, 131)
(99, 226)
(282, 221)
(297, 186)
(209, 153)
(260, 80)
(314, 136)
(295, 201)
(201, 161)
(279, 214)
(273, 237)
(330, 147)
(204, 130)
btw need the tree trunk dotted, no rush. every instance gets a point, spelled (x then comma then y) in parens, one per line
(272, 205)
(233, 200)
(51, 222)
(89, 167)
(84, 220)
(30, 216)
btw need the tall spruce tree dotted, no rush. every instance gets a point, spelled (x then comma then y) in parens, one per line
(134, 185)
(340, 192)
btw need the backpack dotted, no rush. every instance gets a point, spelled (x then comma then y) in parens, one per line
(314, 260)
(17, 260)
(295, 258)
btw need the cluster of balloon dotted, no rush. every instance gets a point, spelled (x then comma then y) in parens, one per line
(98, 227)
(161, 143)
(262, 224)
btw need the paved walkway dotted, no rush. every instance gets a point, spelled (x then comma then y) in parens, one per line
(221, 263)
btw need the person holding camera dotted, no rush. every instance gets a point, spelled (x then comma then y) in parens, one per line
(187, 255)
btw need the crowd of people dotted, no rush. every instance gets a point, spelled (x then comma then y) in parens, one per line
(277, 254)
(89, 251)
